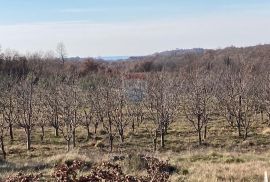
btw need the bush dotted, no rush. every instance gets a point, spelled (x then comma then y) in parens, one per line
(135, 163)
(100, 144)
(185, 172)
(109, 172)
(102, 132)
(23, 178)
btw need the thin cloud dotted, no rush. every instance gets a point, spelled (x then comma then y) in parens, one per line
(82, 10)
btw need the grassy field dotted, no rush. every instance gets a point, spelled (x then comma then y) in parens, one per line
(223, 157)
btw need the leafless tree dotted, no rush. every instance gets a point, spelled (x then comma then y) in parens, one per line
(53, 108)
(162, 103)
(135, 92)
(9, 104)
(61, 51)
(66, 117)
(3, 128)
(198, 100)
(3, 124)
(103, 100)
(26, 108)
(41, 111)
(120, 117)
(237, 95)
(87, 119)
(264, 97)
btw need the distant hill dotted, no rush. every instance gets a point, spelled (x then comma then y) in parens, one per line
(179, 52)
(104, 58)
(175, 59)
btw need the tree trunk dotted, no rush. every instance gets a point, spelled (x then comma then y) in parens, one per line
(239, 116)
(166, 128)
(11, 132)
(88, 132)
(3, 147)
(262, 116)
(68, 145)
(239, 129)
(28, 138)
(155, 144)
(111, 142)
(56, 132)
(205, 132)
(74, 137)
(139, 120)
(42, 133)
(122, 138)
(199, 129)
(162, 136)
(121, 134)
(96, 126)
(155, 140)
(133, 126)
(200, 137)
(246, 133)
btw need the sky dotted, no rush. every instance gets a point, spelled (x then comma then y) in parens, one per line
(131, 27)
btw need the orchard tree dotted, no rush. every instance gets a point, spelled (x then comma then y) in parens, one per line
(53, 104)
(3, 128)
(198, 100)
(9, 104)
(120, 117)
(3, 123)
(237, 97)
(88, 109)
(162, 103)
(103, 102)
(41, 110)
(26, 108)
(135, 88)
(70, 116)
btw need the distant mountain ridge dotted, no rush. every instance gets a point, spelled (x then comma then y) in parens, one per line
(178, 52)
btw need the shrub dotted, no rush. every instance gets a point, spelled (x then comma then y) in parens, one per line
(100, 144)
(102, 132)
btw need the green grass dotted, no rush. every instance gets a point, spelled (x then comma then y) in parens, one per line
(223, 156)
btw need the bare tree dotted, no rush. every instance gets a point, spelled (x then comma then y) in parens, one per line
(66, 116)
(61, 51)
(3, 127)
(88, 113)
(41, 111)
(103, 105)
(135, 92)
(76, 105)
(26, 109)
(3, 123)
(198, 100)
(237, 93)
(9, 104)
(162, 103)
(53, 107)
(264, 97)
(120, 117)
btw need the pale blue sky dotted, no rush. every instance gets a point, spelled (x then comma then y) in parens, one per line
(132, 27)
